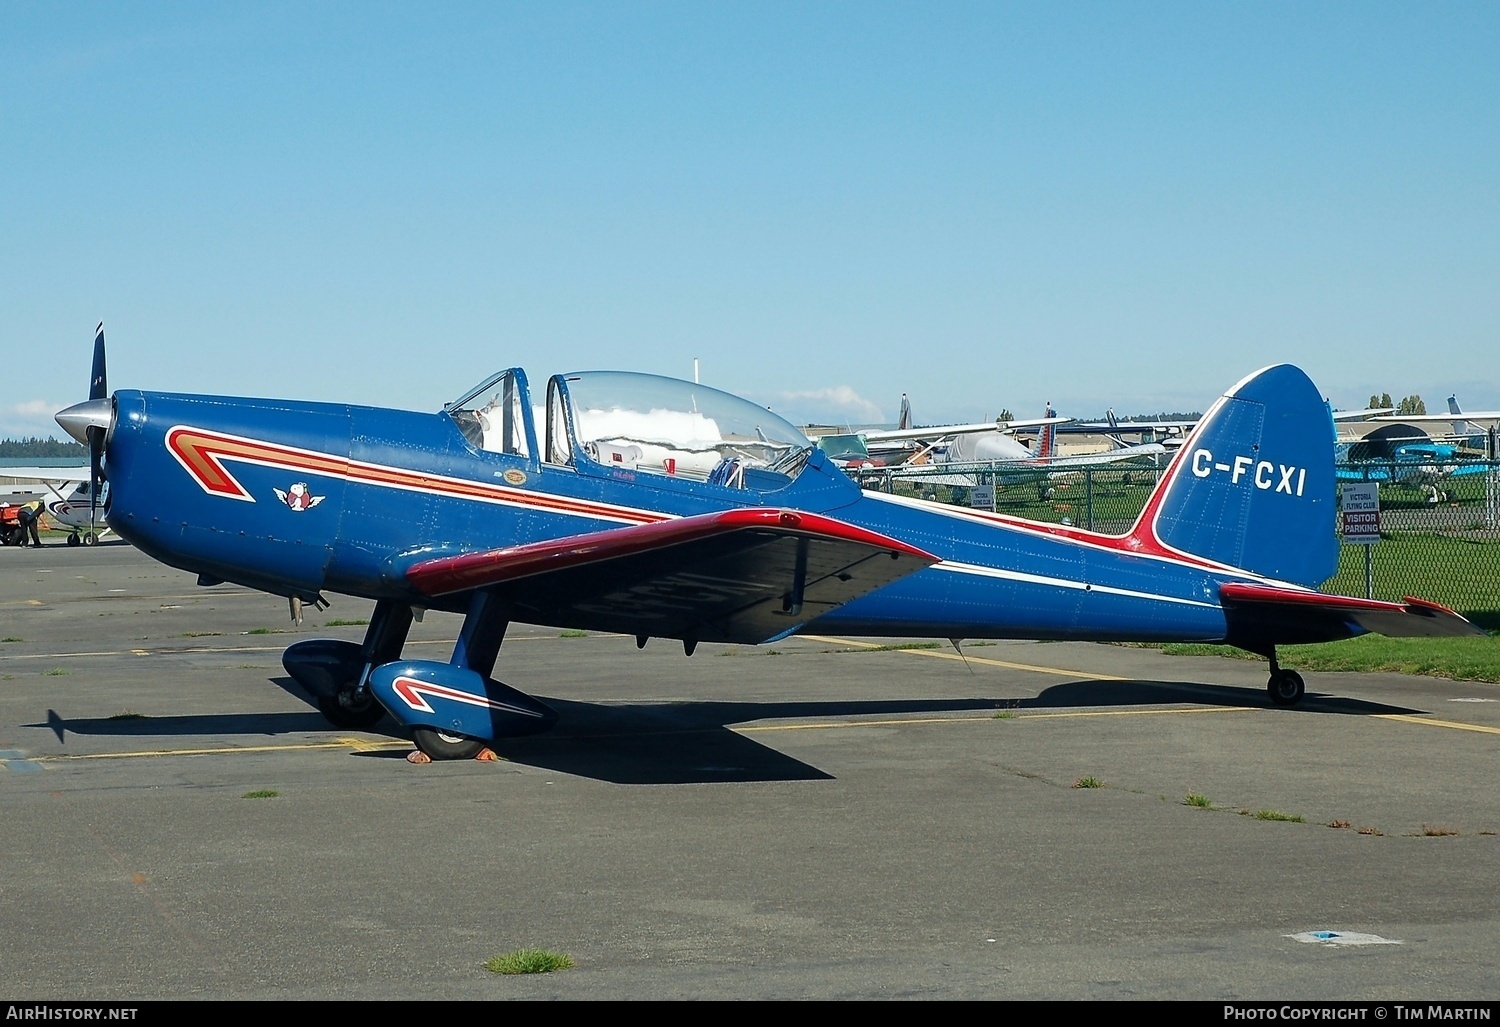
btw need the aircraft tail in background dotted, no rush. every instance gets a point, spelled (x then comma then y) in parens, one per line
(1461, 428)
(1046, 440)
(1254, 486)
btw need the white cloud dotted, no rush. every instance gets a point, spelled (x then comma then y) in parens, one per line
(32, 417)
(838, 404)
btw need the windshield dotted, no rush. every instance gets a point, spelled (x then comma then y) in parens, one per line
(666, 426)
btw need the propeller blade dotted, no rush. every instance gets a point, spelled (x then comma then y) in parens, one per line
(98, 383)
(98, 389)
(96, 475)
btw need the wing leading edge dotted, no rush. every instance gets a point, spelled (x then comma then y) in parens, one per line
(1261, 616)
(748, 575)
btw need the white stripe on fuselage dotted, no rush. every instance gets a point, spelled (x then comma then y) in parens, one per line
(1081, 586)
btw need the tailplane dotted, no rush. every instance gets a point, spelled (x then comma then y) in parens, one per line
(1253, 486)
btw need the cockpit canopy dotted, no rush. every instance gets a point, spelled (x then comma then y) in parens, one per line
(638, 422)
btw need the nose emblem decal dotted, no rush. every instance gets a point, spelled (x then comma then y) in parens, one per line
(298, 498)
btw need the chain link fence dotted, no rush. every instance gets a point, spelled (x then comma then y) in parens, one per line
(1439, 526)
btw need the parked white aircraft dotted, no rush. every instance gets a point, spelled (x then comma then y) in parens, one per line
(65, 494)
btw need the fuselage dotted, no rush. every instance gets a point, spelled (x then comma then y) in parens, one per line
(304, 498)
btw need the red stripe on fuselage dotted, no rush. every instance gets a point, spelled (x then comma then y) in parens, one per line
(202, 454)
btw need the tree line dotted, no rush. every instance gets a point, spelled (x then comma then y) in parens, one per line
(1408, 405)
(33, 447)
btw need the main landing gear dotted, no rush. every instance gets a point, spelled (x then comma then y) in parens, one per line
(1285, 686)
(454, 709)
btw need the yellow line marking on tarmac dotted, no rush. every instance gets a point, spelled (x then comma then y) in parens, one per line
(1089, 675)
(230, 750)
(197, 650)
(985, 719)
(1455, 725)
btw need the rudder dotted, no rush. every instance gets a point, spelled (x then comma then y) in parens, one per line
(1254, 486)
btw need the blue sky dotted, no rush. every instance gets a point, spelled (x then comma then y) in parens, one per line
(984, 206)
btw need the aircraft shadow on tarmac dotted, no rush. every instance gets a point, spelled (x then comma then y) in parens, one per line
(694, 742)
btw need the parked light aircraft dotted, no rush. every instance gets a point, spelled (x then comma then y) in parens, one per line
(1469, 429)
(1405, 454)
(908, 444)
(67, 495)
(428, 510)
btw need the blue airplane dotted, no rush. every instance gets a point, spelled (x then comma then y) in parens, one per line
(658, 508)
(1404, 454)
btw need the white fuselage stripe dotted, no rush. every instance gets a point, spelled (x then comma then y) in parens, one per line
(1081, 586)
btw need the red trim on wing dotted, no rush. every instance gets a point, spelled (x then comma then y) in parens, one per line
(1266, 594)
(473, 570)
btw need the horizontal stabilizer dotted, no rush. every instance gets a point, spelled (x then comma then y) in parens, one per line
(745, 575)
(1261, 615)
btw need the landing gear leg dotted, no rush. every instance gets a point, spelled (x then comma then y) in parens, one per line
(1285, 687)
(477, 648)
(353, 707)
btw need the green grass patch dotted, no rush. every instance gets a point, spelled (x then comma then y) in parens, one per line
(1200, 801)
(344, 623)
(127, 715)
(529, 961)
(261, 793)
(1463, 573)
(12, 638)
(573, 633)
(1004, 715)
(1088, 782)
(1273, 814)
(1475, 658)
(54, 672)
(259, 631)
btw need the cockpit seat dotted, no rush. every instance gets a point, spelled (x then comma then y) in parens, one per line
(730, 473)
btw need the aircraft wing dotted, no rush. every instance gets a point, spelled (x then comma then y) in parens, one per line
(1364, 415)
(747, 575)
(1477, 417)
(1288, 616)
(46, 475)
(943, 431)
(1094, 459)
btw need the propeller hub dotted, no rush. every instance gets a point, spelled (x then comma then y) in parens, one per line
(77, 419)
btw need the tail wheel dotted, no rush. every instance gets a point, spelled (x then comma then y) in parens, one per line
(442, 746)
(1286, 688)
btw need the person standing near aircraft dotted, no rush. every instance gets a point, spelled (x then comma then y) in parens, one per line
(30, 513)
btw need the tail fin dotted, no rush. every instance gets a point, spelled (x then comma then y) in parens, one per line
(1046, 442)
(905, 422)
(1460, 427)
(1253, 486)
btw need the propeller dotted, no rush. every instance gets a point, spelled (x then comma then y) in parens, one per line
(89, 423)
(98, 389)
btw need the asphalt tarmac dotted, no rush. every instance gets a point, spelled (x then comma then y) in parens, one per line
(816, 819)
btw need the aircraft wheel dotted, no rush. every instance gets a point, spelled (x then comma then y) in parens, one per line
(73, 539)
(440, 745)
(89, 538)
(1286, 688)
(342, 712)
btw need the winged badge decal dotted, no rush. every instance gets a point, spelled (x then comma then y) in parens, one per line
(298, 498)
